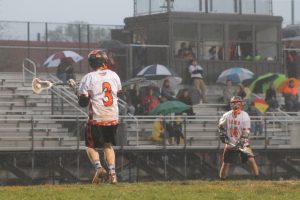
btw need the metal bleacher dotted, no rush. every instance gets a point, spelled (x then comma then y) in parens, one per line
(31, 121)
(279, 128)
(52, 119)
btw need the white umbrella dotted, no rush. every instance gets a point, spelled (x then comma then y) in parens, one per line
(155, 71)
(174, 81)
(55, 59)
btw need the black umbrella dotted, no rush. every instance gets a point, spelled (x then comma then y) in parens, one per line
(111, 44)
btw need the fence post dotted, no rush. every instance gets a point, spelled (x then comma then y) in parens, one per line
(52, 103)
(61, 103)
(32, 133)
(184, 129)
(266, 137)
(28, 39)
(77, 132)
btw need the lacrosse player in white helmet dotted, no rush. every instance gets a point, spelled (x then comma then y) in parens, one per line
(234, 129)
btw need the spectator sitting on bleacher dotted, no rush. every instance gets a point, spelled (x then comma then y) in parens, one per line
(149, 101)
(256, 124)
(167, 93)
(227, 94)
(271, 98)
(135, 99)
(125, 96)
(242, 91)
(158, 130)
(290, 94)
(174, 131)
(185, 97)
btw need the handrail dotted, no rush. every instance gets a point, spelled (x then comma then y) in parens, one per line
(139, 120)
(70, 103)
(24, 68)
(137, 127)
(68, 94)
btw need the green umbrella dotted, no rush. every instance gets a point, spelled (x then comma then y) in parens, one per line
(169, 107)
(261, 84)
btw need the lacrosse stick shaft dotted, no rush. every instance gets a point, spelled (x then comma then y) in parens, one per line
(39, 85)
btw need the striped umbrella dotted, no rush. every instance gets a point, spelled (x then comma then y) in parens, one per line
(69, 56)
(155, 72)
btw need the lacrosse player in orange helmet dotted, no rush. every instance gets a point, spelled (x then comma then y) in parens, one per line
(234, 129)
(98, 90)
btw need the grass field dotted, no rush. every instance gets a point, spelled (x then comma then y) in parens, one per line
(190, 190)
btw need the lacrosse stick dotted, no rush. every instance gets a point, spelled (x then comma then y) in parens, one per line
(239, 147)
(38, 85)
(224, 138)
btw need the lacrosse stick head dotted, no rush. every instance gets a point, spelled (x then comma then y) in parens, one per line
(38, 85)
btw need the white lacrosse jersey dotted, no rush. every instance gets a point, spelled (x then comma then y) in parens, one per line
(235, 125)
(102, 87)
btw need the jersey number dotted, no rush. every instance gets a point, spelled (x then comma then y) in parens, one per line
(108, 98)
(233, 132)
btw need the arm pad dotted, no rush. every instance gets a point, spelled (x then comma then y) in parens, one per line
(83, 101)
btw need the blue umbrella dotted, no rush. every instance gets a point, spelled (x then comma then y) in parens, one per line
(235, 75)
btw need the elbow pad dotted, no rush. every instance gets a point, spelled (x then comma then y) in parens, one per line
(245, 134)
(83, 101)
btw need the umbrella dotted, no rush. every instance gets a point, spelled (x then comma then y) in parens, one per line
(262, 83)
(141, 81)
(111, 44)
(169, 107)
(155, 71)
(260, 104)
(285, 84)
(235, 74)
(174, 81)
(55, 59)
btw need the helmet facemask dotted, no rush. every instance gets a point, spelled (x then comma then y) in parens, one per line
(236, 104)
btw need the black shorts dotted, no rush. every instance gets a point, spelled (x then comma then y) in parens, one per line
(97, 136)
(233, 156)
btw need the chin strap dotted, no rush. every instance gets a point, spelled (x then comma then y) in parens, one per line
(237, 111)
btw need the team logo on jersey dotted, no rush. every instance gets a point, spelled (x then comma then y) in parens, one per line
(234, 122)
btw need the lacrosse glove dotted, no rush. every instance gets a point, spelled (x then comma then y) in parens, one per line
(222, 134)
(72, 83)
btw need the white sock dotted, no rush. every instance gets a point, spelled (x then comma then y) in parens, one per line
(97, 164)
(112, 169)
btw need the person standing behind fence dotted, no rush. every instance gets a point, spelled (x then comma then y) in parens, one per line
(196, 72)
(98, 90)
(61, 71)
(291, 62)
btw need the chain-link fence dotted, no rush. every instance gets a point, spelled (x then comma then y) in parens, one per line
(37, 41)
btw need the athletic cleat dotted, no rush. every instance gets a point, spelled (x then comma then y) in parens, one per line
(112, 178)
(100, 176)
